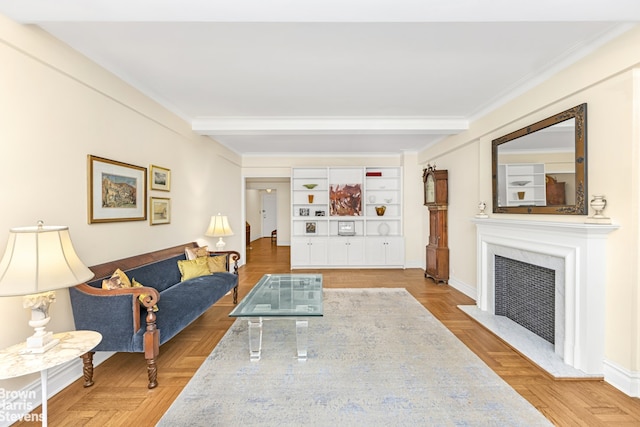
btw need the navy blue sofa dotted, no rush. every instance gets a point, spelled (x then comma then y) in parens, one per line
(129, 324)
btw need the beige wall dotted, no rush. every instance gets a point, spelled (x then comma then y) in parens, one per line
(56, 107)
(608, 83)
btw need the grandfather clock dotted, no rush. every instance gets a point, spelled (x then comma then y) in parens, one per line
(436, 199)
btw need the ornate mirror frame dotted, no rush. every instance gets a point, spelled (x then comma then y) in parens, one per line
(578, 201)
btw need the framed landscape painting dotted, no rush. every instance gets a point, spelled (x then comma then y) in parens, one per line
(160, 178)
(160, 211)
(117, 191)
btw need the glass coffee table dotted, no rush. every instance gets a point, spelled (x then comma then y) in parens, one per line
(284, 296)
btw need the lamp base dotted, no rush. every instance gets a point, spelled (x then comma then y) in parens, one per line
(220, 244)
(41, 340)
(41, 343)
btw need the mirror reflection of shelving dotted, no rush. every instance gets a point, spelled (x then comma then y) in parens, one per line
(522, 184)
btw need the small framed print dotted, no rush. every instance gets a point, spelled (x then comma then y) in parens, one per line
(160, 178)
(304, 211)
(160, 211)
(319, 213)
(346, 228)
(310, 227)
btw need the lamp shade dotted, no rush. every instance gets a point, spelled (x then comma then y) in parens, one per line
(39, 259)
(219, 226)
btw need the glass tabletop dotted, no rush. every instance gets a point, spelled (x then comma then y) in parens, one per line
(286, 295)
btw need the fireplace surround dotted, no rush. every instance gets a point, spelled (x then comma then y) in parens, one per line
(576, 252)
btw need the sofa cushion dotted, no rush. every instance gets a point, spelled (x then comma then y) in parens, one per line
(193, 268)
(182, 304)
(160, 274)
(217, 264)
(193, 253)
(117, 280)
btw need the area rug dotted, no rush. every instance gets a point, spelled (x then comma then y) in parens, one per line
(376, 358)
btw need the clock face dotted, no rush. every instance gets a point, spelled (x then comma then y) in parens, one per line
(430, 190)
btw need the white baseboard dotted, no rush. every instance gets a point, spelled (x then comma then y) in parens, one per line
(465, 288)
(621, 378)
(414, 264)
(17, 404)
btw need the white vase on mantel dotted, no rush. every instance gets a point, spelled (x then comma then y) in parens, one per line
(598, 203)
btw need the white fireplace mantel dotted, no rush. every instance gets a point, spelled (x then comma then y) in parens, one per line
(582, 249)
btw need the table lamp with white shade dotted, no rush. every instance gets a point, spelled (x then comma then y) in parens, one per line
(219, 227)
(37, 261)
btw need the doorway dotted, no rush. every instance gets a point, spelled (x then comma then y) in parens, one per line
(269, 213)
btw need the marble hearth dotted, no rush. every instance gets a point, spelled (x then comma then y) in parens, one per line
(576, 253)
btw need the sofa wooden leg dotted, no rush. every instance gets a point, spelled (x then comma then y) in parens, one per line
(87, 368)
(152, 372)
(235, 294)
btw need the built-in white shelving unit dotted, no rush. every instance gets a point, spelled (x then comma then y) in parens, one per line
(334, 220)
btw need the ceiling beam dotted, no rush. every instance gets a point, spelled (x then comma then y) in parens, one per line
(327, 125)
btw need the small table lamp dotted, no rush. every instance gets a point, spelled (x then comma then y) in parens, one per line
(219, 227)
(37, 261)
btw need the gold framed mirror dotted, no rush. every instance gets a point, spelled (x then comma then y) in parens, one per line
(542, 168)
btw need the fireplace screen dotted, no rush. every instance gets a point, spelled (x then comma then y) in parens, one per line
(525, 293)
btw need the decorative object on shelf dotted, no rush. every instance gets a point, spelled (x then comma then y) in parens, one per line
(520, 195)
(345, 200)
(383, 229)
(160, 178)
(372, 199)
(117, 191)
(310, 198)
(380, 210)
(346, 228)
(304, 211)
(373, 173)
(38, 260)
(482, 206)
(219, 227)
(160, 210)
(320, 213)
(388, 200)
(310, 186)
(520, 183)
(311, 227)
(598, 204)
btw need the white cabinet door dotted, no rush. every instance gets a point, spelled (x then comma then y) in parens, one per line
(299, 251)
(394, 251)
(308, 251)
(385, 251)
(375, 251)
(317, 251)
(346, 251)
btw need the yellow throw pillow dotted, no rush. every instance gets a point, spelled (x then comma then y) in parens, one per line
(193, 253)
(193, 268)
(217, 264)
(143, 296)
(118, 280)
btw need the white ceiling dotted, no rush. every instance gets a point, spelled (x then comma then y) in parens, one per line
(347, 77)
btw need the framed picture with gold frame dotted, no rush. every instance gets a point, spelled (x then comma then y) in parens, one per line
(117, 191)
(160, 178)
(160, 208)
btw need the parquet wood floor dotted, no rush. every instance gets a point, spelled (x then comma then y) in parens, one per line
(120, 396)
